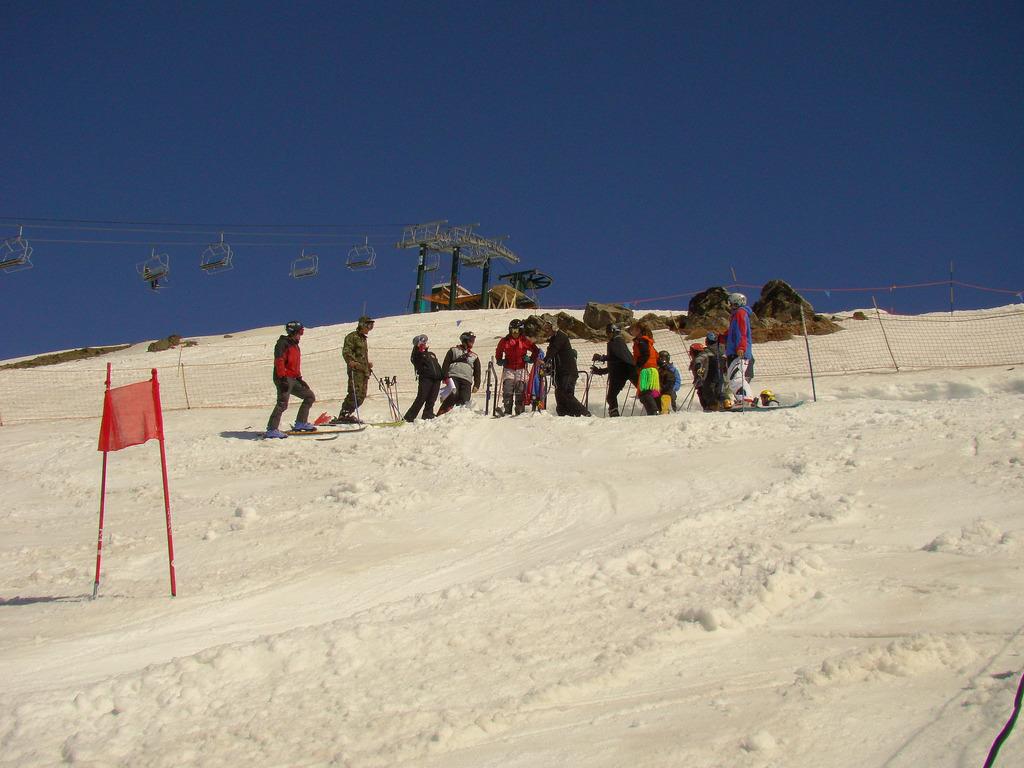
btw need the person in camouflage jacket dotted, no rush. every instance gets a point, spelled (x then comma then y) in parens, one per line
(358, 367)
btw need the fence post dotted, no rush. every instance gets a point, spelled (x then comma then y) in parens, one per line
(184, 384)
(885, 336)
(807, 343)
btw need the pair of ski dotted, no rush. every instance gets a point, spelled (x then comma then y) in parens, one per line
(762, 408)
(536, 388)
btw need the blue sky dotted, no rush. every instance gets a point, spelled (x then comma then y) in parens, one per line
(629, 150)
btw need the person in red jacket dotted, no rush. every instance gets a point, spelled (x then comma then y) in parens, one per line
(512, 353)
(288, 380)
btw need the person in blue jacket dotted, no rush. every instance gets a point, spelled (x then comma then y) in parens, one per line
(739, 350)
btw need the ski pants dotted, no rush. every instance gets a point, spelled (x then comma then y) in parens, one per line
(513, 385)
(462, 394)
(649, 402)
(736, 375)
(615, 385)
(426, 396)
(285, 389)
(356, 394)
(566, 403)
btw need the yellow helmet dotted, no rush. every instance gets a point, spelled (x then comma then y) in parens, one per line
(768, 393)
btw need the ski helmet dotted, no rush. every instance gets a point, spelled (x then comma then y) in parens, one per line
(614, 329)
(664, 356)
(468, 337)
(767, 396)
(737, 300)
(421, 339)
(711, 338)
(365, 322)
(294, 327)
(516, 325)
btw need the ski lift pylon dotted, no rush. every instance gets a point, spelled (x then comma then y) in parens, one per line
(216, 257)
(305, 266)
(15, 253)
(154, 269)
(362, 256)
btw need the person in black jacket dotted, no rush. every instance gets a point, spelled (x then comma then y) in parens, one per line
(424, 362)
(620, 366)
(561, 361)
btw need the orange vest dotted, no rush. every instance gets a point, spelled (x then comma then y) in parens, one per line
(652, 354)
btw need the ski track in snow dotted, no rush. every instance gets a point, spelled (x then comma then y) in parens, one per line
(833, 585)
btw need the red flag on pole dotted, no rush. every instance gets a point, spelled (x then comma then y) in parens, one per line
(130, 416)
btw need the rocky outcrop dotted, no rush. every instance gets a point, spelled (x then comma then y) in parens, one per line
(574, 329)
(597, 316)
(172, 341)
(781, 302)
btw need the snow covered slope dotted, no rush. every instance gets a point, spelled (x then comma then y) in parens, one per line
(833, 585)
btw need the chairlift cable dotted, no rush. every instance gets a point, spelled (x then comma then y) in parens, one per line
(210, 231)
(206, 227)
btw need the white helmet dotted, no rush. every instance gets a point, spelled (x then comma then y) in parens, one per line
(737, 300)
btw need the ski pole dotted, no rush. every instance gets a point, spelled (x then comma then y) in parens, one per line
(487, 389)
(689, 397)
(387, 394)
(586, 389)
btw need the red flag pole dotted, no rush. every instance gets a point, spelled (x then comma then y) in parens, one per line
(163, 469)
(103, 498)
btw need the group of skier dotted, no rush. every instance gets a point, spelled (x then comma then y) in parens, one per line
(721, 368)
(288, 377)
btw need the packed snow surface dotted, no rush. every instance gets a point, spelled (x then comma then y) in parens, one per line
(833, 585)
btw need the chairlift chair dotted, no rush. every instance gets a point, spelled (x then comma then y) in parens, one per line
(154, 269)
(15, 254)
(362, 256)
(305, 266)
(216, 257)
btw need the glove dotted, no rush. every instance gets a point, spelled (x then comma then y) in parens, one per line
(501, 362)
(598, 371)
(527, 360)
(599, 358)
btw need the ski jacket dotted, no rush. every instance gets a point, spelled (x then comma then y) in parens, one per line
(355, 352)
(287, 359)
(620, 359)
(514, 349)
(644, 353)
(425, 364)
(667, 378)
(738, 341)
(707, 368)
(461, 363)
(677, 376)
(560, 354)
